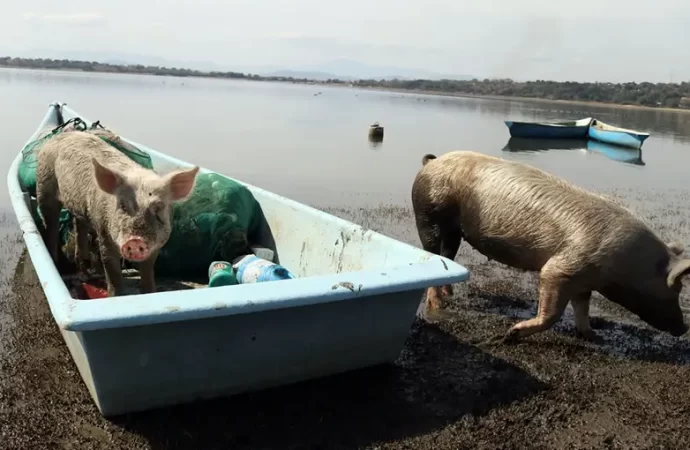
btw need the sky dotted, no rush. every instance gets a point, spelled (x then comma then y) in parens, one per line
(587, 40)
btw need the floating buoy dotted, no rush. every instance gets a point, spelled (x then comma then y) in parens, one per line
(376, 130)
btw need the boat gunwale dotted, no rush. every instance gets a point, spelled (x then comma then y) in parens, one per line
(579, 123)
(170, 306)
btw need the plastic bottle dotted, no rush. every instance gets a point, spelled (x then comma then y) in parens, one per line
(252, 269)
(221, 273)
(262, 252)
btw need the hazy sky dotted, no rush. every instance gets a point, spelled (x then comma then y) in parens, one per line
(606, 40)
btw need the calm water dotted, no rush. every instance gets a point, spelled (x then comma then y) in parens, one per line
(314, 148)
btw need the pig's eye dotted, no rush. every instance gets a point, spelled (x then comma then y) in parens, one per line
(123, 206)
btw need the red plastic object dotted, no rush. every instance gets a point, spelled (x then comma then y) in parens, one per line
(92, 292)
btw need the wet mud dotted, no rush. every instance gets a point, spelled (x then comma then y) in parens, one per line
(448, 389)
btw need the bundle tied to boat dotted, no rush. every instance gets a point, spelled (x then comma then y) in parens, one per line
(216, 222)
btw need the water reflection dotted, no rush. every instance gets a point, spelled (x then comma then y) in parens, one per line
(613, 152)
(616, 153)
(516, 144)
(375, 141)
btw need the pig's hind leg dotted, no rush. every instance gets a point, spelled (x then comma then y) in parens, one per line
(439, 236)
(82, 253)
(49, 206)
(580, 303)
(450, 244)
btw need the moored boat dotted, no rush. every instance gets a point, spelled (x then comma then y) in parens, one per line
(564, 129)
(610, 134)
(355, 295)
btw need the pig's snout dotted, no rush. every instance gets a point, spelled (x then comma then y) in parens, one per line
(135, 249)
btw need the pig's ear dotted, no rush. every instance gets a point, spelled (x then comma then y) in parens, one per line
(676, 248)
(107, 179)
(181, 182)
(677, 272)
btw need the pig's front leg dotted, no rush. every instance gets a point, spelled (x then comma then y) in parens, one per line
(148, 281)
(110, 256)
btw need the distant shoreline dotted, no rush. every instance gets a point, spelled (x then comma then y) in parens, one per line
(385, 86)
(521, 99)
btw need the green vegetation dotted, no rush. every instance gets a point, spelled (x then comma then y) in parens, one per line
(670, 95)
(93, 66)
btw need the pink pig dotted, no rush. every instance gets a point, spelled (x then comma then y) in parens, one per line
(128, 206)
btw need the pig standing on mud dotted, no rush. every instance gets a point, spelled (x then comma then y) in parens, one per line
(127, 205)
(528, 219)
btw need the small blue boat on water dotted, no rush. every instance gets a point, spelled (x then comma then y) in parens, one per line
(567, 129)
(351, 305)
(616, 153)
(610, 134)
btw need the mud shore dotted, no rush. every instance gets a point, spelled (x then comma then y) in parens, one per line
(446, 391)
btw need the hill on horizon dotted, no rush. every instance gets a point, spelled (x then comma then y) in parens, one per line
(342, 69)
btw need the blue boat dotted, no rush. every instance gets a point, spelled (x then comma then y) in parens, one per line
(617, 153)
(572, 129)
(610, 134)
(355, 297)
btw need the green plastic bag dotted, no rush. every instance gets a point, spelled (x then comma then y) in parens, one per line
(215, 223)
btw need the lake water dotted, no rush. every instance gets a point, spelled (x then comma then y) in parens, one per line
(314, 148)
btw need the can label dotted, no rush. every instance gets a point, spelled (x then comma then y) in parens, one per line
(216, 266)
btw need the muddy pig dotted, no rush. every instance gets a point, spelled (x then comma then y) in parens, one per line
(577, 240)
(128, 206)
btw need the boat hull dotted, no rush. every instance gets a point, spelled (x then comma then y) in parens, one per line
(620, 137)
(356, 295)
(546, 130)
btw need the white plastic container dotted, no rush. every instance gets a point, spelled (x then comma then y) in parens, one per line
(252, 269)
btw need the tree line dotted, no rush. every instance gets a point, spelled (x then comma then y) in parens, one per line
(93, 66)
(670, 95)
